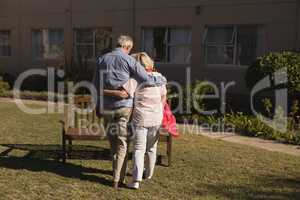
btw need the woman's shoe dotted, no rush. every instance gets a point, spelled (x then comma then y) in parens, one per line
(115, 185)
(134, 185)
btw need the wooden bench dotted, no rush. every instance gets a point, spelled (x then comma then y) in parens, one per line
(81, 123)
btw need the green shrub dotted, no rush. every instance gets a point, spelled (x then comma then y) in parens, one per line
(4, 86)
(272, 62)
(9, 78)
(252, 126)
(190, 99)
(266, 66)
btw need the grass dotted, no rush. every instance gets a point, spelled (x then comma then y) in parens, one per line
(202, 169)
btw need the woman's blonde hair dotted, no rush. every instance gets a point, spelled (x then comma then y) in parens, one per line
(144, 59)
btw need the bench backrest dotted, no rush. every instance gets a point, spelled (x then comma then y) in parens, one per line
(81, 112)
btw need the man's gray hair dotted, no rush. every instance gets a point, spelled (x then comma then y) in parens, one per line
(125, 41)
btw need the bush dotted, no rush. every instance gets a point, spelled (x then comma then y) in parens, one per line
(272, 62)
(35, 83)
(266, 66)
(9, 78)
(4, 86)
(189, 100)
(252, 126)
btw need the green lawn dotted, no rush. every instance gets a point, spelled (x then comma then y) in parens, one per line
(202, 169)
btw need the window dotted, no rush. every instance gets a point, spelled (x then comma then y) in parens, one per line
(168, 45)
(47, 44)
(233, 45)
(91, 43)
(5, 43)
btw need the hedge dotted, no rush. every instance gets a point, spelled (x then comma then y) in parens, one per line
(273, 62)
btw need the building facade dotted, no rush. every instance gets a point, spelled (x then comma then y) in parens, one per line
(214, 40)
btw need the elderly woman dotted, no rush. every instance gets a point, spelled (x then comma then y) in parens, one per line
(146, 119)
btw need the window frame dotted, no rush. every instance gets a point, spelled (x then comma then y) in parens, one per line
(94, 30)
(168, 45)
(234, 45)
(85, 44)
(38, 59)
(10, 43)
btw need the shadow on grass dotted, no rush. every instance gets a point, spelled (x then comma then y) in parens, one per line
(81, 152)
(46, 158)
(271, 188)
(67, 170)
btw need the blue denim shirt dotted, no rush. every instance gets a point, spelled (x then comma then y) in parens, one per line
(113, 70)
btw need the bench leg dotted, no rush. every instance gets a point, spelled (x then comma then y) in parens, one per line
(64, 152)
(169, 150)
(159, 160)
(69, 148)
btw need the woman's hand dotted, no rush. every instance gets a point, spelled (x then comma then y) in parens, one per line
(116, 93)
(123, 94)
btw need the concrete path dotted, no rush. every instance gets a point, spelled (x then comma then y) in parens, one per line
(26, 101)
(250, 141)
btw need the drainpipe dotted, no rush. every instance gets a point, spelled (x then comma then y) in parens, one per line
(19, 35)
(297, 31)
(72, 34)
(133, 15)
(69, 37)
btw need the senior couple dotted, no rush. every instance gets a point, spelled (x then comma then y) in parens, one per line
(130, 92)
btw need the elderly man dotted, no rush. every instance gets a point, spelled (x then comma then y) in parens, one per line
(113, 70)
